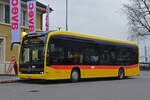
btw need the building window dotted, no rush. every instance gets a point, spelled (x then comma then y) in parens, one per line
(1, 13)
(7, 14)
(1, 50)
(4, 13)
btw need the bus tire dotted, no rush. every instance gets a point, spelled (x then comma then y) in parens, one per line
(121, 74)
(75, 75)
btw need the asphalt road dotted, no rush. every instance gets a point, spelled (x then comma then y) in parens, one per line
(134, 88)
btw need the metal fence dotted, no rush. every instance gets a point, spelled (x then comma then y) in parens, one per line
(4, 68)
(144, 66)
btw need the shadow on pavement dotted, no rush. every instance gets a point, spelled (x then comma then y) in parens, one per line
(54, 82)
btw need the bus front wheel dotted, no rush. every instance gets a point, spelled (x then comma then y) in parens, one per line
(75, 75)
(121, 74)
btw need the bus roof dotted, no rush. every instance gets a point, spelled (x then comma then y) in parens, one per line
(90, 37)
(54, 32)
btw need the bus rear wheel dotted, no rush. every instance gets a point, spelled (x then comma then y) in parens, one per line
(121, 74)
(75, 76)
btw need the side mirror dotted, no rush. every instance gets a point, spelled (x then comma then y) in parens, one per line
(12, 45)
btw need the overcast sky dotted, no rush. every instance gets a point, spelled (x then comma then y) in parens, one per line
(95, 17)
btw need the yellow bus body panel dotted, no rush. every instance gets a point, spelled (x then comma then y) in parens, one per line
(132, 71)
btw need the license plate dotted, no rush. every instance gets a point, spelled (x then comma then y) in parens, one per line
(29, 77)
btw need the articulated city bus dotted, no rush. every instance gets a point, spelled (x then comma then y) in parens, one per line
(65, 55)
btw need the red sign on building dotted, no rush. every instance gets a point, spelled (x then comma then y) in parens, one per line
(15, 20)
(32, 15)
(47, 18)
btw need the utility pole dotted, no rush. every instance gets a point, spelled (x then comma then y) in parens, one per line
(66, 15)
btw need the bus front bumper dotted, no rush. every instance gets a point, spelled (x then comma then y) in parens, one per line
(31, 76)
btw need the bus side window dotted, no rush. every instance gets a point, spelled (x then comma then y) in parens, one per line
(91, 56)
(126, 57)
(113, 56)
(121, 57)
(74, 54)
(55, 52)
(104, 57)
(132, 57)
(107, 56)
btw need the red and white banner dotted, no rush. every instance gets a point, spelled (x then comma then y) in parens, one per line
(47, 18)
(15, 13)
(32, 15)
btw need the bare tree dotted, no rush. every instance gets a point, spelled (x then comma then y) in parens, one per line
(138, 13)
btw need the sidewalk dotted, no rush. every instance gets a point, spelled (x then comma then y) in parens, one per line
(8, 78)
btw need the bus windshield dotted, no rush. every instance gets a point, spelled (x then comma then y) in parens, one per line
(32, 50)
(32, 54)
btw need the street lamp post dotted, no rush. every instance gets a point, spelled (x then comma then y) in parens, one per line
(66, 15)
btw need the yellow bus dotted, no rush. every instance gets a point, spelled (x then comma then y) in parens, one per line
(66, 55)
